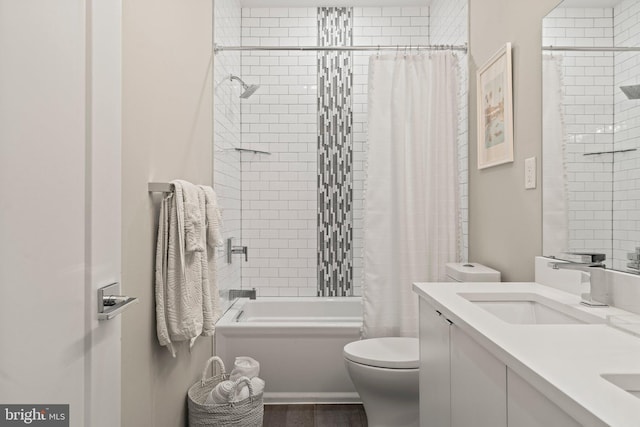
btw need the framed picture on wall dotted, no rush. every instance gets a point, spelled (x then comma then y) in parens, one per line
(495, 110)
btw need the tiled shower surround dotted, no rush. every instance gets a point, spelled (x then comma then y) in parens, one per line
(599, 117)
(280, 192)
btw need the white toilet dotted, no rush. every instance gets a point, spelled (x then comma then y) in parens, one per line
(385, 371)
(470, 272)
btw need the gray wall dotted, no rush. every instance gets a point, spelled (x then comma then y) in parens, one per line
(167, 133)
(505, 220)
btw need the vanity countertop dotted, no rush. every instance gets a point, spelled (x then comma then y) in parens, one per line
(563, 361)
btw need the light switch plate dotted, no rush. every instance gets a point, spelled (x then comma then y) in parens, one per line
(530, 173)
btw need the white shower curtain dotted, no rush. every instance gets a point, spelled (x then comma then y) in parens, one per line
(555, 199)
(411, 215)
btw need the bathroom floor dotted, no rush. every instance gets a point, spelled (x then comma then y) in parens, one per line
(314, 416)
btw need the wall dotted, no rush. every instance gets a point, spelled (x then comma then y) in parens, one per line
(167, 134)
(505, 220)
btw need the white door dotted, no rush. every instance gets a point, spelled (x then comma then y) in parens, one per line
(59, 205)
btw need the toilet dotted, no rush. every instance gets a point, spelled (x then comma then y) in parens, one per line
(385, 370)
(470, 272)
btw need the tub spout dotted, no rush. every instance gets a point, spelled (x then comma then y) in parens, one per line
(242, 293)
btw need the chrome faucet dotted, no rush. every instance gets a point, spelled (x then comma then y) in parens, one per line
(243, 250)
(589, 262)
(571, 265)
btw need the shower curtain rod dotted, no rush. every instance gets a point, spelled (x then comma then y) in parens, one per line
(592, 49)
(217, 48)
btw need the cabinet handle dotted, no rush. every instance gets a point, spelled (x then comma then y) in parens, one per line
(439, 314)
(449, 321)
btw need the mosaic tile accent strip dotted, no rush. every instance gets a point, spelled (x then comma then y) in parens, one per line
(335, 153)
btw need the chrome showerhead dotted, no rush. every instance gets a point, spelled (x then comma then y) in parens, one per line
(632, 92)
(248, 90)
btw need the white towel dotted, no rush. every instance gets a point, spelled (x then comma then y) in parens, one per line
(213, 218)
(234, 391)
(167, 211)
(184, 307)
(242, 392)
(192, 203)
(221, 393)
(245, 366)
(214, 240)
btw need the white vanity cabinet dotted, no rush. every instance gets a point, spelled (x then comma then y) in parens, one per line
(478, 384)
(464, 385)
(482, 368)
(527, 407)
(435, 372)
(461, 384)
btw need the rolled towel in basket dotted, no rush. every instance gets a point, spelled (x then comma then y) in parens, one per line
(221, 393)
(242, 392)
(244, 366)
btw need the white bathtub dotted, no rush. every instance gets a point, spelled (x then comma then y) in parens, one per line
(298, 342)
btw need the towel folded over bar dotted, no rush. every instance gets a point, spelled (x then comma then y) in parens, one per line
(185, 282)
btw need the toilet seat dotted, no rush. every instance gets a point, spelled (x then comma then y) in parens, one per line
(387, 352)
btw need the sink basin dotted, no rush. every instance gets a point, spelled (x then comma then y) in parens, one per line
(530, 309)
(628, 382)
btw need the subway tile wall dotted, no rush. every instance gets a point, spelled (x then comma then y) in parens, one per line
(279, 191)
(277, 194)
(626, 201)
(226, 125)
(589, 118)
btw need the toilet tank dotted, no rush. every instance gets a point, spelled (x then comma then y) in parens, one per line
(470, 272)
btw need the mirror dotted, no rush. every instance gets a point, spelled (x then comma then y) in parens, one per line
(591, 130)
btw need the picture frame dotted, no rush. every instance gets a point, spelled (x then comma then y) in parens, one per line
(495, 110)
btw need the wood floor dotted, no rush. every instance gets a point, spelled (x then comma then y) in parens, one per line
(314, 416)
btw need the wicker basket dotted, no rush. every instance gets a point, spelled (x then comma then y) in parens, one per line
(243, 413)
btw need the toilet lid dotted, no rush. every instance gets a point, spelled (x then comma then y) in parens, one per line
(388, 352)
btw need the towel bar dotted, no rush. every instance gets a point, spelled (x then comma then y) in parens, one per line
(161, 187)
